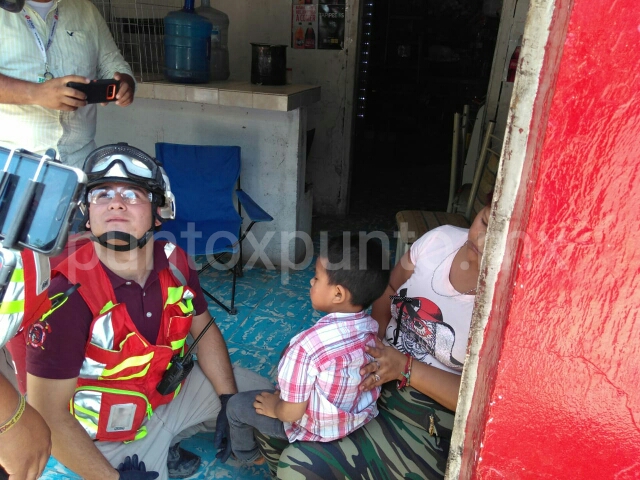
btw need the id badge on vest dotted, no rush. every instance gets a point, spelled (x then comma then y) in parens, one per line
(121, 417)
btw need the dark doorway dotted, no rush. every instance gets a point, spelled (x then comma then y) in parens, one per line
(420, 62)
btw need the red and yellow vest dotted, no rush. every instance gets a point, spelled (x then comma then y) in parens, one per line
(26, 298)
(116, 387)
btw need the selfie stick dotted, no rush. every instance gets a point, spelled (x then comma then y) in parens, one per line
(12, 236)
(180, 366)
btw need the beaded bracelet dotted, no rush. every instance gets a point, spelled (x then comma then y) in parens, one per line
(16, 416)
(406, 381)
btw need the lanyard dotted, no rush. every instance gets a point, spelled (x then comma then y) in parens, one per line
(41, 46)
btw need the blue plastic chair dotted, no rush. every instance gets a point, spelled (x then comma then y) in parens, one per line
(203, 179)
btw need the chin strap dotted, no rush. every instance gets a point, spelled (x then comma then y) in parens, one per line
(132, 242)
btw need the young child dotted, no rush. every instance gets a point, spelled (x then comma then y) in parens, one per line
(318, 375)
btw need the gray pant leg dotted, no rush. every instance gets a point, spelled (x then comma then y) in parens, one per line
(243, 418)
(245, 380)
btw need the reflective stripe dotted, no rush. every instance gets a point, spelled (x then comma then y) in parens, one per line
(108, 306)
(18, 275)
(85, 405)
(137, 361)
(102, 333)
(12, 306)
(177, 344)
(174, 295)
(91, 369)
(168, 249)
(142, 432)
(134, 375)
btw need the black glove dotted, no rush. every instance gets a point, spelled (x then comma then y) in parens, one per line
(131, 469)
(221, 439)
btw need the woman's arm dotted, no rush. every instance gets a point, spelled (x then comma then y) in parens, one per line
(438, 384)
(25, 447)
(381, 309)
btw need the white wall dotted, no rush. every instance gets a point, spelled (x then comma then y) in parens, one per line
(270, 22)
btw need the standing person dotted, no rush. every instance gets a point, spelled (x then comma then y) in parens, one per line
(318, 398)
(46, 45)
(424, 317)
(93, 364)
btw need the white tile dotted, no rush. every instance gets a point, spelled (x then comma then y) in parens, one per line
(235, 99)
(170, 92)
(270, 102)
(144, 90)
(202, 95)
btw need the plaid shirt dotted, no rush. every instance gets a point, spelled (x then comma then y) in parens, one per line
(322, 365)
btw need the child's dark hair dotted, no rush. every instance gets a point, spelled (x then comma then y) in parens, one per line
(358, 264)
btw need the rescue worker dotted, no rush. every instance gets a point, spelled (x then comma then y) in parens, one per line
(95, 362)
(25, 439)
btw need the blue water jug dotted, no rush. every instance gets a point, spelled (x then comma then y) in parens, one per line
(187, 46)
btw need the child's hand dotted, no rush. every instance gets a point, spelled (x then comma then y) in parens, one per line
(266, 402)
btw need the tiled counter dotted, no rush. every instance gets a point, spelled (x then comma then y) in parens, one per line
(233, 94)
(269, 123)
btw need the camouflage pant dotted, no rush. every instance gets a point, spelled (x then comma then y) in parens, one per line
(408, 439)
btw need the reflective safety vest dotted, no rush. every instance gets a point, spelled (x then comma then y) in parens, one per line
(26, 298)
(116, 387)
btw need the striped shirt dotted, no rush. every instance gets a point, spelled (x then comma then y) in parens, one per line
(322, 365)
(82, 45)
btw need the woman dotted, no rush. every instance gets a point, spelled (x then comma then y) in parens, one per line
(424, 318)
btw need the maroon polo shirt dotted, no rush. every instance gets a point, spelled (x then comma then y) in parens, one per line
(61, 353)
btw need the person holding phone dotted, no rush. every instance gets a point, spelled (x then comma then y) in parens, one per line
(94, 373)
(46, 45)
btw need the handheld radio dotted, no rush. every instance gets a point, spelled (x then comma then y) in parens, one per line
(180, 366)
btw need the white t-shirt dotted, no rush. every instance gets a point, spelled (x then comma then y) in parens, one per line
(42, 8)
(434, 327)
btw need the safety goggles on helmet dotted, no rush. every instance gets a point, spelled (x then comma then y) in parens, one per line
(128, 195)
(123, 163)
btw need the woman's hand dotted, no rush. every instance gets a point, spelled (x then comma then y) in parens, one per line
(25, 448)
(388, 364)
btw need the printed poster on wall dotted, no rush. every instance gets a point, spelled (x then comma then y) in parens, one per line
(304, 25)
(331, 27)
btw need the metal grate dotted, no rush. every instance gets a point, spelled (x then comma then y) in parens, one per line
(138, 30)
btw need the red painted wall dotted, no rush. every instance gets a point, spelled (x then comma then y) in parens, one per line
(566, 399)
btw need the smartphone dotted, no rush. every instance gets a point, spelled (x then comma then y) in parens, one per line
(58, 192)
(98, 91)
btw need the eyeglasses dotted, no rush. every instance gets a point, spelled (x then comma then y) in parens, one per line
(129, 196)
